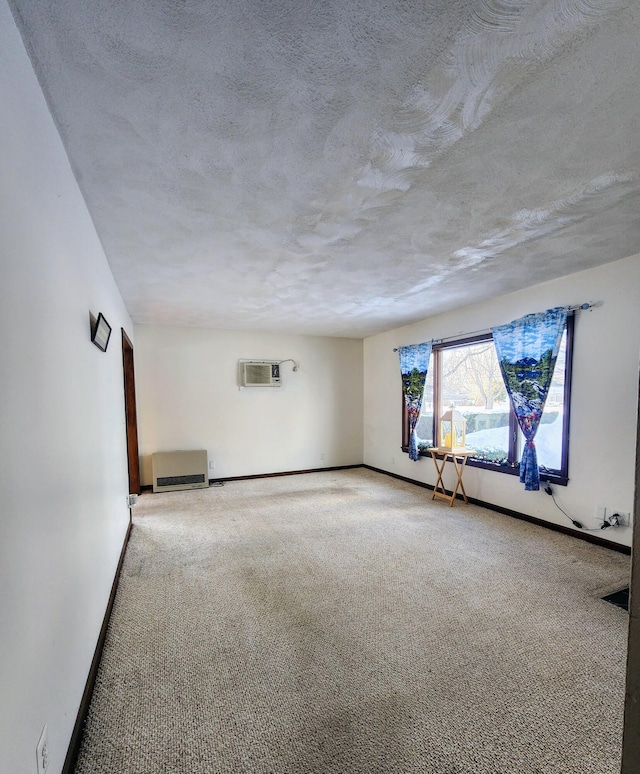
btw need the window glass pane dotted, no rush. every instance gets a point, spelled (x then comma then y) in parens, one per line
(424, 428)
(548, 439)
(471, 380)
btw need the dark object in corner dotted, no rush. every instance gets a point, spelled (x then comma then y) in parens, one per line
(619, 598)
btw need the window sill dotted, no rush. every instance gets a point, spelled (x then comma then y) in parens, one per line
(511, 470)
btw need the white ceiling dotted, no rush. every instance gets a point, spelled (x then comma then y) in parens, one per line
(342, 167)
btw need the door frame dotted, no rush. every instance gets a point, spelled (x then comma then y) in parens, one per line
(131, 415)
(631, 728)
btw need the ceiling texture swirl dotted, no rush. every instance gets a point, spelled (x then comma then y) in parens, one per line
(344, 167)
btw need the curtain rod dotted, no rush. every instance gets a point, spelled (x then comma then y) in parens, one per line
(577, 308)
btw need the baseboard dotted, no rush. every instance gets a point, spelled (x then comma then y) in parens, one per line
(517, 515)
(284, 473)
(83, 711)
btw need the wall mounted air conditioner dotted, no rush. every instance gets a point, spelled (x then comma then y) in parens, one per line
(259, 373)
(175, 470)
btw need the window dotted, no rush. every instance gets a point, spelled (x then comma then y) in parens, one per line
(466, 373)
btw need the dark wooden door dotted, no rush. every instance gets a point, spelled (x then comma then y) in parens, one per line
(131, 414)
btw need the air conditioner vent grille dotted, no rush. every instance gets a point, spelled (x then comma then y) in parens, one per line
(179, 480)
(258, 373)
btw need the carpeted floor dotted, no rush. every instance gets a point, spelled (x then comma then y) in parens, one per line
(343, 622)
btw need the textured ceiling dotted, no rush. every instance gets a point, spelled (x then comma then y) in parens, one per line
(342, 167)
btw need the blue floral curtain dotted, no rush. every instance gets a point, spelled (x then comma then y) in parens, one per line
(527, 351)
(414, 362)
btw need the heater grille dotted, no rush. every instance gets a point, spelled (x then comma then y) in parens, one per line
(175, 480)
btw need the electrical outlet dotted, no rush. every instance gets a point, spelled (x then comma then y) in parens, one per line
(613, 516)
(42, 751)
(322, 456)
(618, 518)
(212, 465)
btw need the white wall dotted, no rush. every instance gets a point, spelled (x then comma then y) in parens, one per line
(603, 406)
(63, 475)
(188, 398)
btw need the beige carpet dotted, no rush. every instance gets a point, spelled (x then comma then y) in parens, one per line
(343, 622)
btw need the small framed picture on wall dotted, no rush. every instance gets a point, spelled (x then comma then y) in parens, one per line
(101, 333)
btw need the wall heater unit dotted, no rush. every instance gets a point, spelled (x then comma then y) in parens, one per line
(176, 470)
